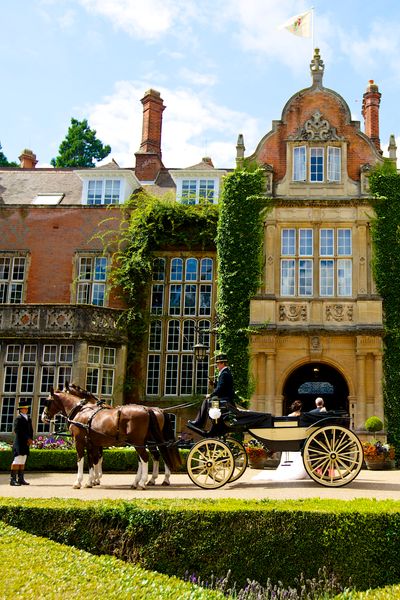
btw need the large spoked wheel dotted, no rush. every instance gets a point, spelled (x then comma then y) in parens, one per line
(210, 464)
(240, 458)
(333, 456)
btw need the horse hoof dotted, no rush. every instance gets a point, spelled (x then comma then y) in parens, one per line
(141, 487)
(133, 486)
(89, 485)
(76, 486)
(165, 483)
(151, 482)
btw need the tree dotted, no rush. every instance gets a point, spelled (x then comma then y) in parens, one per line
(4, 162)
(80, 147)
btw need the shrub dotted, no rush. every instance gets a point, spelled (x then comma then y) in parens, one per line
(253, 538)
(373, 424)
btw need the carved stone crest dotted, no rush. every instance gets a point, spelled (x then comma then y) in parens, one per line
(292, 312)
(339, 312)
(316, 129)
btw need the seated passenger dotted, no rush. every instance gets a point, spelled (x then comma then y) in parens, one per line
(319, 406)
(296, 409)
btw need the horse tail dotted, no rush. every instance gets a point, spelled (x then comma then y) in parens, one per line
(171, 447)
(168, 450)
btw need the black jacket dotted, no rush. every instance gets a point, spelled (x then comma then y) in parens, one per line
(224, 388)
(23, 432)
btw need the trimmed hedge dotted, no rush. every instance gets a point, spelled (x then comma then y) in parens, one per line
(115, 460)
(357, 539)
(62, 572)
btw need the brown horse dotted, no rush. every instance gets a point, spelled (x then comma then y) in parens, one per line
(165, 424)
(94, 427)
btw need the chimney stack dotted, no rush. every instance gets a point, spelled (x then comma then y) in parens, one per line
(370, 112)
(27, 159)
(148, 157)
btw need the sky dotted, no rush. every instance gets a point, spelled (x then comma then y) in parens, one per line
(223, 67)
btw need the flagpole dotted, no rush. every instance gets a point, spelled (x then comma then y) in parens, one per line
(312, 30)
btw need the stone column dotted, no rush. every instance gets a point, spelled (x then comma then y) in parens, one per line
(80, 363)
(362, 252)
(270, 247)
(378, 398)
(120, 371)
(361, 398)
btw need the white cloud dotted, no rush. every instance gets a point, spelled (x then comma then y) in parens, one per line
(147, 20)
(190, 126)
(202, 79)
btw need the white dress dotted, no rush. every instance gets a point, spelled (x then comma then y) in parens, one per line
(290, 468)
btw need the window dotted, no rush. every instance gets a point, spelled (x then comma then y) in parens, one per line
(29, 370)
(317, 164)
(297, 271)
(100, 370)
(171, 368)
(194, 191)
(106, 191)
(12, 279)
(92, 277)
(334, 264)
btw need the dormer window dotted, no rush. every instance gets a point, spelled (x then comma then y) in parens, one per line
(107, 191)
(198, 190)
(317, 164)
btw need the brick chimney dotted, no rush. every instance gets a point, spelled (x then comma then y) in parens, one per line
(27, 159)
(148, 157)
(370, 112)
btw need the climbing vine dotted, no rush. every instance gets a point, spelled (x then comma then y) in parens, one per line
(149, 224)
(385, 185)
(239, 250)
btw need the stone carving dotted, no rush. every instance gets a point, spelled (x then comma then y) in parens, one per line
(339, 312)
(315, 343)
(293, 312)
(60, 319)
(25, 318)
(316, 129)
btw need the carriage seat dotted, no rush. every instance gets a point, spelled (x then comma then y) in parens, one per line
(330, 417)
(245, 418)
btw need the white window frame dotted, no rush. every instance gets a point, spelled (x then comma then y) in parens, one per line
(331, 163)
(90, 289)
(197, 184)
(101, 191)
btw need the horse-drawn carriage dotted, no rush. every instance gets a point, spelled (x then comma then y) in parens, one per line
(332, 454)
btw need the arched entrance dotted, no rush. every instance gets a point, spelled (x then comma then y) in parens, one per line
(316, 379)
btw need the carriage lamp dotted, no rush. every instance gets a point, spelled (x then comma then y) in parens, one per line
(215, 411)
(200, 351)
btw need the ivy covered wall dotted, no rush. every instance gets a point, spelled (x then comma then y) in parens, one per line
(239, 250)
(386, 267)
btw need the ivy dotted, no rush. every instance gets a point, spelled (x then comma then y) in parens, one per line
(239, 250)
(385, 185)
(149, 225)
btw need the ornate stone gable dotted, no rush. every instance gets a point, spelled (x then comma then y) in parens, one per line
(316, 129)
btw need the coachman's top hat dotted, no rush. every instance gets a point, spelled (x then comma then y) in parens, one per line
(221, 358)
(23, 404)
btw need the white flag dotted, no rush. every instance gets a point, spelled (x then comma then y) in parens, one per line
(299, 24)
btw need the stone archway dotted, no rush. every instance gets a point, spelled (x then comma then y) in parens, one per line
(316, 379)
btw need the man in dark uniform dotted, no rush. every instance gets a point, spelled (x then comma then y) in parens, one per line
(223, 390)
(23, 439)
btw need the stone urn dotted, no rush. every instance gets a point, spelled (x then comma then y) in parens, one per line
(380, 464)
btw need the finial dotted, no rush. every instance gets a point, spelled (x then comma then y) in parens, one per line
(317, 69)
(392, 148)
(240, 150)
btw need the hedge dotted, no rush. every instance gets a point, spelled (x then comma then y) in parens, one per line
(115, 460)
(63, 572)
(357, 539)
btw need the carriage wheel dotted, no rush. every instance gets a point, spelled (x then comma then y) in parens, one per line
(210, 464)
(240, 457)
(333, 456)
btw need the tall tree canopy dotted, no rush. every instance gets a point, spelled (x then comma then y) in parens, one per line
(4, 162)
(80, 148)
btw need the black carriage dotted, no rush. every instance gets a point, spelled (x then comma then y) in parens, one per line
(332, 454)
